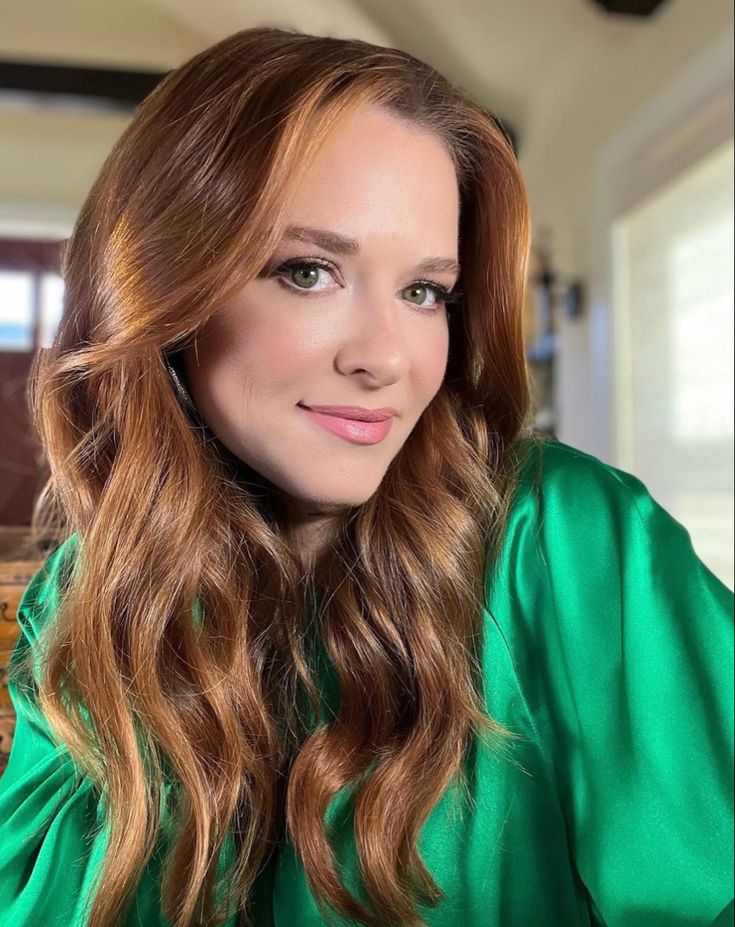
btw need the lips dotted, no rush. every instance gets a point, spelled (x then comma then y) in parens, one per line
(353, 430)
(353, 412)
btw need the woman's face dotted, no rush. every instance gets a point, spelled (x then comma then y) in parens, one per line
(354, 321)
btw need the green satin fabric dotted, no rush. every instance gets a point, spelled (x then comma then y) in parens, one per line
(606, 643)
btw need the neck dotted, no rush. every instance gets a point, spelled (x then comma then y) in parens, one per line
(312, 529)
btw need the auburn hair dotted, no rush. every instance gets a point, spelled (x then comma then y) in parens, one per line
(178, 667)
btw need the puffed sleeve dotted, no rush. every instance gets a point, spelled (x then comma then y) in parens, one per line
(53, 834)
(50, 842)
(629, 672)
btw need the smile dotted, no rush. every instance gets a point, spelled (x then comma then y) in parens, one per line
(351, 429)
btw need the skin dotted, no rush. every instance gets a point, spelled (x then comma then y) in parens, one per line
(361, 332)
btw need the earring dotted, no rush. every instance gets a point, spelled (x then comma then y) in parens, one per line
(180, 388)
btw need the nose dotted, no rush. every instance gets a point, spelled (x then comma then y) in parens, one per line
(375, 342)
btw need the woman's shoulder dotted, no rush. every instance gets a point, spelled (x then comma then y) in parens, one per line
(582, 526)
(581, 532)
(549, 467)
(568, 495)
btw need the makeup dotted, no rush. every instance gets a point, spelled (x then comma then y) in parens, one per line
(351, 429)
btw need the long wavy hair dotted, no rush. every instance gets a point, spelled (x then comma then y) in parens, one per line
(178, 666)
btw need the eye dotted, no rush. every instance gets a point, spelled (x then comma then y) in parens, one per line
(423, 287)
(301, 275)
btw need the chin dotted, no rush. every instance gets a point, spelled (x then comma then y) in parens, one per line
(336, 502)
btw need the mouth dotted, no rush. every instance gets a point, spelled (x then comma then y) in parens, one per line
(355, 431)
(356, 413)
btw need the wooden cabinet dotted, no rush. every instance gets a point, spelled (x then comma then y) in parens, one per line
(14, 577)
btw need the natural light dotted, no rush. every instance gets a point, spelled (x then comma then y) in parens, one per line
(673, 260)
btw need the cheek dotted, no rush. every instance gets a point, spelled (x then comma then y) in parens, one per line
(432, 362)
(264, 351)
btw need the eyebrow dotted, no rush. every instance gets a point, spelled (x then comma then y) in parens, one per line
(340, 244)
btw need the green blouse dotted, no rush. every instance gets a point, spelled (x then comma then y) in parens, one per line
(606, 642)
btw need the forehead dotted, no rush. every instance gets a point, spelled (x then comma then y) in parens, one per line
(377, 175)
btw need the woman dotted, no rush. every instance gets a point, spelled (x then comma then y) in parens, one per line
(294, 668)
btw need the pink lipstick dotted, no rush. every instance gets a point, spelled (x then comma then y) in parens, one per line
(356, 431)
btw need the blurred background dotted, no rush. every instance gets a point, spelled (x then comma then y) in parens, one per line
(621, 114)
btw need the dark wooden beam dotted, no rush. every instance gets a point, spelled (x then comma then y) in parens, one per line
(105, 87)
(630, 7)
(118, 89)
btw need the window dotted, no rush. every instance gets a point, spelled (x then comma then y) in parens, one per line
(16, 310)
(30, 309)
(31, 294)
(52, 296)
(673, 300)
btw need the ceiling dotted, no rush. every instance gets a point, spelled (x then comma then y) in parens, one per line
(506, 53)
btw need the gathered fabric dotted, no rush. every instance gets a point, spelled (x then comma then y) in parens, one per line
(606, 642)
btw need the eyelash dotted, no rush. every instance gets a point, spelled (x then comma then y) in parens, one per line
(443, 295)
